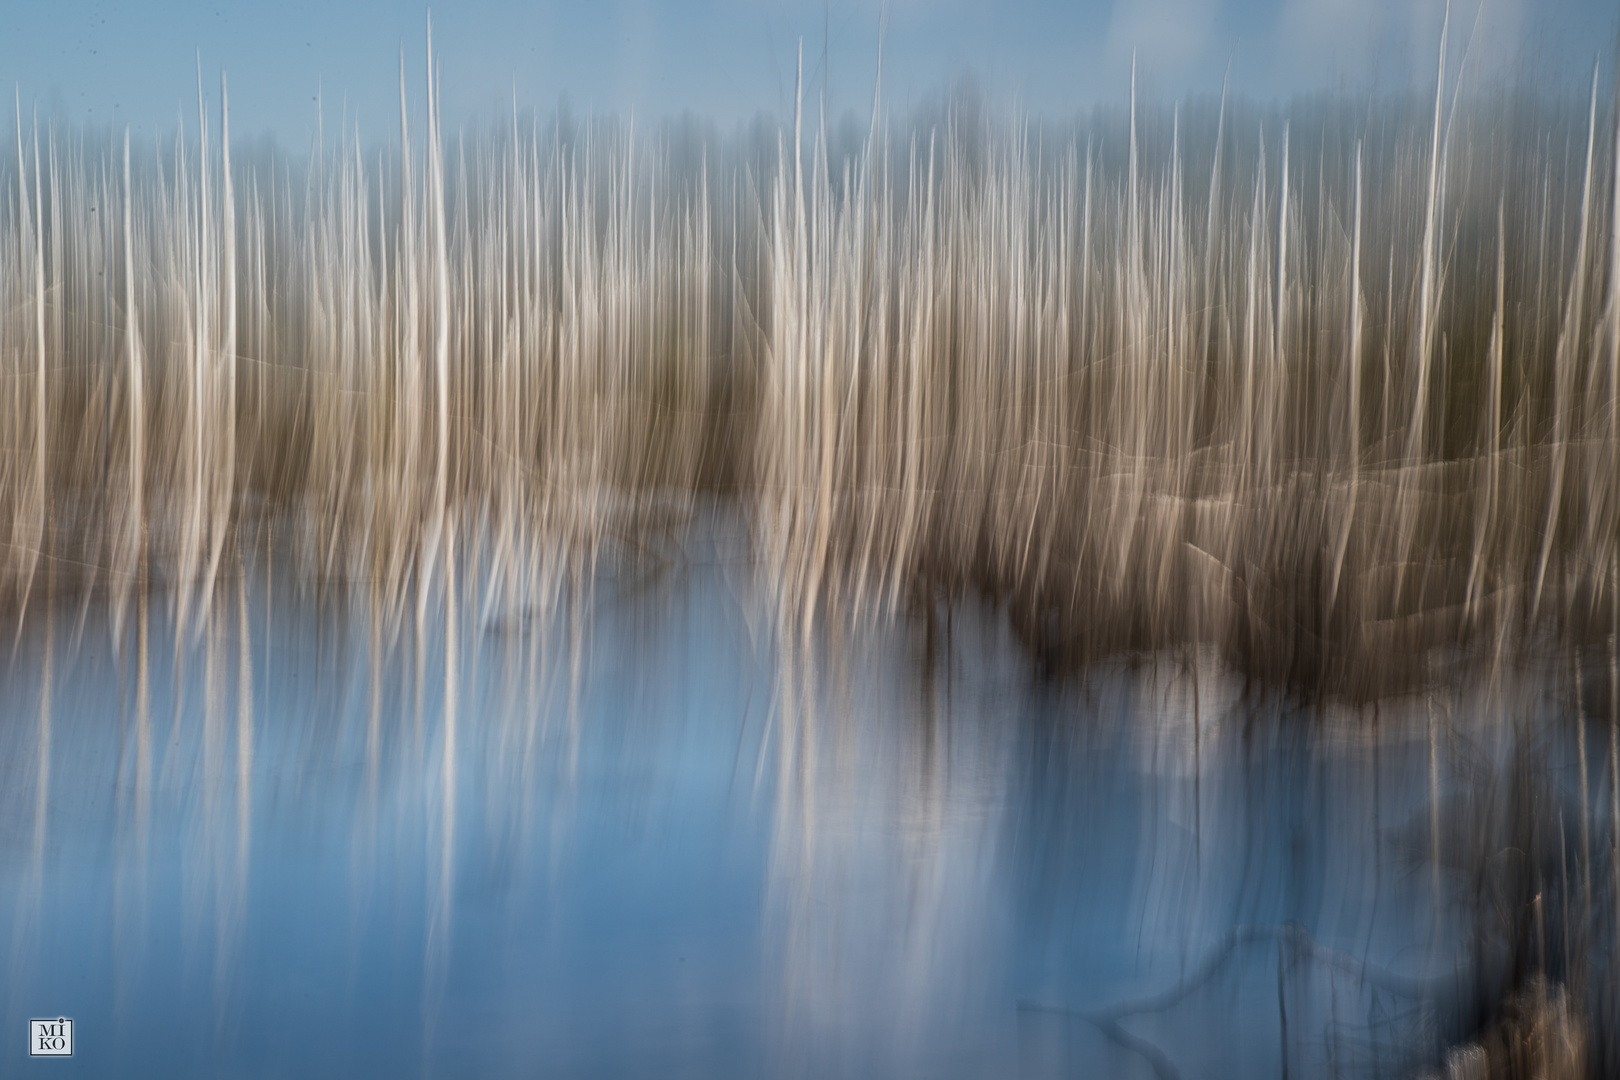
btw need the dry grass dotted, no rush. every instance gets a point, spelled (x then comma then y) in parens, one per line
(1332, 387)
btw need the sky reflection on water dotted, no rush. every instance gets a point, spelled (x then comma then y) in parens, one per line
(658, 841)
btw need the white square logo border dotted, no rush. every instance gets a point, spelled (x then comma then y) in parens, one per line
(50, 1037)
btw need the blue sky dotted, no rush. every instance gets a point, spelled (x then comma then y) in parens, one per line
(729, 59)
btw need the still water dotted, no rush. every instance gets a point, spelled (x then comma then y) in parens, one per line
(651, 834)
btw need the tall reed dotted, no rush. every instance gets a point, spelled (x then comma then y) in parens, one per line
(1333, 386)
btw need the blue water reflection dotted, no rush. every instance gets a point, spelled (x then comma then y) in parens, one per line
(656, 836)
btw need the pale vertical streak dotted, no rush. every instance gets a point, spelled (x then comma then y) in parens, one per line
(36, 500)
(1604, 515)
(137, 542)
(441, 305)
(448, 764)
(1210, 234)
(196, 523)
(224, 482)
(213, 840)
(1131, 215)
(1614, 333)
(1614, 278)
(1249, 391)
(1275, 373)
(1352, 378)
(400, 487)
(1426, 287)
(244, 737)
(1493, 422)
(1614, 551)
(135, 392)
(17, 555)
(1564, 360)
(1427, 300)
(1280, 316)
(799, 345)
(42, 763)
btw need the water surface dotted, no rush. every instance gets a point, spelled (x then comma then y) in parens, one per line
(652, 834)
